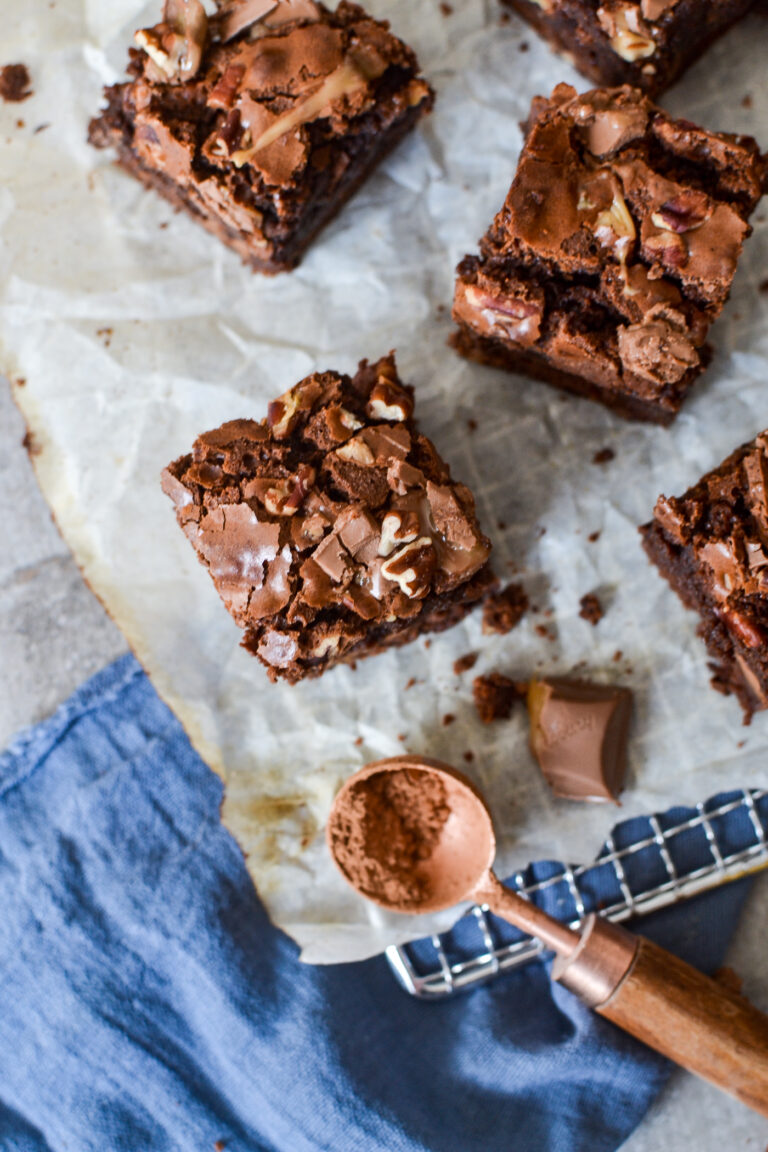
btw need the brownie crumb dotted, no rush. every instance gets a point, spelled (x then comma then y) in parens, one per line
(358, 741)
(505, 609)
(618, 654)
(410, 683)
(494, 696)
(469, 757)
(219, 1146)
(603, 456)
(747, 102)
(472, 425)
(446, 9)
(504, 18)
(15, 83)
(763, 286)
(523, 46)
(464, 663)
(543, 631)
(448, 719)
(591, 609)
(593, 537)
(30, 444)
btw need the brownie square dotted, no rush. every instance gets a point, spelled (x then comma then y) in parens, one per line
(614, 251)
(332, 529)
(647, 44)
(712, 546)
(262, 120)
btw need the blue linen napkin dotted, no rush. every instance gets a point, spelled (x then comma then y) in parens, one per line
(146, 1002)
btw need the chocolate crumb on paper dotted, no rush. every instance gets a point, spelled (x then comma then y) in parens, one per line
(15, 83)
(503, 610)
(590, 609)
(464, 663)
(495, 696)
(603, 456)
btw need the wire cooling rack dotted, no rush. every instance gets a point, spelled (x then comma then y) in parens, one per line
(646, 863)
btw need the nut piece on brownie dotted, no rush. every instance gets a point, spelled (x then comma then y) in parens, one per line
(332, 529)
(262, 120)
(711, 544)
(647, 43)
(614, 251)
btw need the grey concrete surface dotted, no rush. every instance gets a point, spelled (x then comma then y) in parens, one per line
(54, 634)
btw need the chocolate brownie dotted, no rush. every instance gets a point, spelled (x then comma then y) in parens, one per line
(648, 43)
(613, 253)
(262, 120)
(712, 546)
(332, 529)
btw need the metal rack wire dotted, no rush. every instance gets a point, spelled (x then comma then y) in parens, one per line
(646, 864)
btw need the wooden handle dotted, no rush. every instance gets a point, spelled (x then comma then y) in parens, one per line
(708, 1029)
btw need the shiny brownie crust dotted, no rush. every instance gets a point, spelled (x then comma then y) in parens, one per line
(333, 529)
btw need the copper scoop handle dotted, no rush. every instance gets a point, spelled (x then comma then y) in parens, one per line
(701, 1025)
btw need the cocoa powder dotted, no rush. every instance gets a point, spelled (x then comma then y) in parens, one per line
(389, 825)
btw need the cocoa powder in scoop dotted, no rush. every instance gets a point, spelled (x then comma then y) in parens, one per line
(389, 825)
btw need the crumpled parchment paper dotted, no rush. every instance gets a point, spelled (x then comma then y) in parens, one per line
(134, 330)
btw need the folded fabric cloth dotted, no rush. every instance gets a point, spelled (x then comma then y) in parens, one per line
(146, 1002)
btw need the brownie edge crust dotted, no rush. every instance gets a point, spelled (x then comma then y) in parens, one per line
(332, 529)
(711, 545)
(646, 43)
(262, 120)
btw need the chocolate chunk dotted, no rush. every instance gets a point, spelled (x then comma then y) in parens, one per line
(579, 736)
(495, 695)
(503, 610)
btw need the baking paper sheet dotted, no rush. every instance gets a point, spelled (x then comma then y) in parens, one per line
(134, 331)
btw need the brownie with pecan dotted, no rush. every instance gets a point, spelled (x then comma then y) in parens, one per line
(613, 253)
(263, 119)
(646, 43)
(711, 544)
(332, 529)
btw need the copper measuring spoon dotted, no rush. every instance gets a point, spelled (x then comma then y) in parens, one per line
(414, 835)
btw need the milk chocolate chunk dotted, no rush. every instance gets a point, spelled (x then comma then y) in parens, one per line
(648, 43)
(711, 544)
(613, 253)
(579, 736)
(263, 119)
(316, 555)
